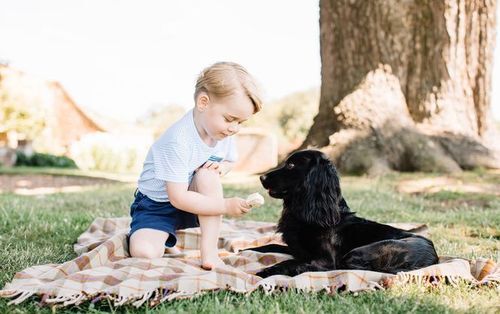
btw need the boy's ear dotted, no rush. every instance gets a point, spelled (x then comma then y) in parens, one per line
(202, 101)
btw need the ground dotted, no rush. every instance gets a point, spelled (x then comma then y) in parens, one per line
(39, 225)
(40, 183)
(33, 184)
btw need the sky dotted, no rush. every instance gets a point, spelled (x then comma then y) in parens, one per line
(123, 58)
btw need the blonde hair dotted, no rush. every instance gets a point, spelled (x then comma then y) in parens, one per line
(223, 78)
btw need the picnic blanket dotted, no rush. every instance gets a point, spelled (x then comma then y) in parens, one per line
(105, 270)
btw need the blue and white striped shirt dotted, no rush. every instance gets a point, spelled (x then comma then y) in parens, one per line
(176, 155)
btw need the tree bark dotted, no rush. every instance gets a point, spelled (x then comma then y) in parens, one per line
(396, 74)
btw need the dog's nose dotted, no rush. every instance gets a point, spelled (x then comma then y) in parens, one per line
(263, 178)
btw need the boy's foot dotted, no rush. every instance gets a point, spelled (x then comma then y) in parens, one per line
(209, 264)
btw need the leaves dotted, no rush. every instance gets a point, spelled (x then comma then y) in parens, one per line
(21, 106)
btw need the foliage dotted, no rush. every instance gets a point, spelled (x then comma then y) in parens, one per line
(289, 117)
(44, 160)
(297, 113)
(159, 120)
(21, 108)
(109, 152)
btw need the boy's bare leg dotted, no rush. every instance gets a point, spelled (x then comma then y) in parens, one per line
(172, 250)
(207, 182)
(148, 243)
(210, 230)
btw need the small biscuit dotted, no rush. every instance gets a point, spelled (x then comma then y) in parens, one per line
(255, 200)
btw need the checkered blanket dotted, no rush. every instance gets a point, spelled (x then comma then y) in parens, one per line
(104, 269)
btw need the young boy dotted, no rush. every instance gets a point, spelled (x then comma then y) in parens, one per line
(180, 185)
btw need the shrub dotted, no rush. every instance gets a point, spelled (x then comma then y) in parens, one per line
(110, 152)
(289, 118)
(160, 119)
(44, 160)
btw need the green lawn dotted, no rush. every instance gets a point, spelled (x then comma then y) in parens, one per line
(42, 229)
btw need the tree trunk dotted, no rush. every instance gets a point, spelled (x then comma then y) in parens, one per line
(406, 85)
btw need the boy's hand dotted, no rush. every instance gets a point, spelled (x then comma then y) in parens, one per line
(211, 165)
(236, 206)
(255, 200)
(216, 166)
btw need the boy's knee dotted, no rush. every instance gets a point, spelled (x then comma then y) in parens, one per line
(206, 179)
(204, 173)
(145, 249)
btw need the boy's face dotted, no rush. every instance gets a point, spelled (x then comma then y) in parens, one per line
(222, 116)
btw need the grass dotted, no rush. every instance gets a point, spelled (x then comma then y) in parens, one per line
(42, 229)
(23, 170)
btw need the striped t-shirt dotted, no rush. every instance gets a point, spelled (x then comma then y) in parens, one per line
(176, 155)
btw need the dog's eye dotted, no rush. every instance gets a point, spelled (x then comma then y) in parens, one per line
(290, 165)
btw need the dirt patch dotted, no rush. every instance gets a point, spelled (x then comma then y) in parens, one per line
(44, 184)
(446, 205)
(438, 184)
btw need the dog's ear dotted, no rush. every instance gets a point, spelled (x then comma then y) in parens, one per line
(322, 195)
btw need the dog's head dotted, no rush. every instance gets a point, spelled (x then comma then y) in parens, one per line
(309, 185)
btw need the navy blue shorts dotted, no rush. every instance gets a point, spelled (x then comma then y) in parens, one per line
(147, 213)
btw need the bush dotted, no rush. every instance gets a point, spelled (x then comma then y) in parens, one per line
(289, 118)
(44, 160)
(160, 119)
(110, 152)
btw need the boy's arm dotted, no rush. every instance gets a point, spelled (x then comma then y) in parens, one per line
(199, 204)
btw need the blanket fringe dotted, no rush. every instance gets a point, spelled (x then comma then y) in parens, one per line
(76, 299)
(9, 293)
(21, 296)
(180, 295)
(161, 295)
(330, 289)
(120, 300)
(427, 280)
(375, 286)
(268, 287)
(58, 299)
(492, 279)
(144, 298)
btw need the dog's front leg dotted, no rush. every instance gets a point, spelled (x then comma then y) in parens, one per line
(283, 268)
(271, 248)
(294, 267)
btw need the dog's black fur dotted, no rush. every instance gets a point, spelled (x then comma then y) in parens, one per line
(323, 234)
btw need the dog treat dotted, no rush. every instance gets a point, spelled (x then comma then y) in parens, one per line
(255, 200)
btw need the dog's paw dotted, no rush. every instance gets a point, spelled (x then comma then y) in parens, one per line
(266, 272)
(263, 274)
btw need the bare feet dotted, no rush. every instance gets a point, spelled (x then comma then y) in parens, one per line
(211, 263)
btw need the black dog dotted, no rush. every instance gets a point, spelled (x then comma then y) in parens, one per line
(323, 234)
